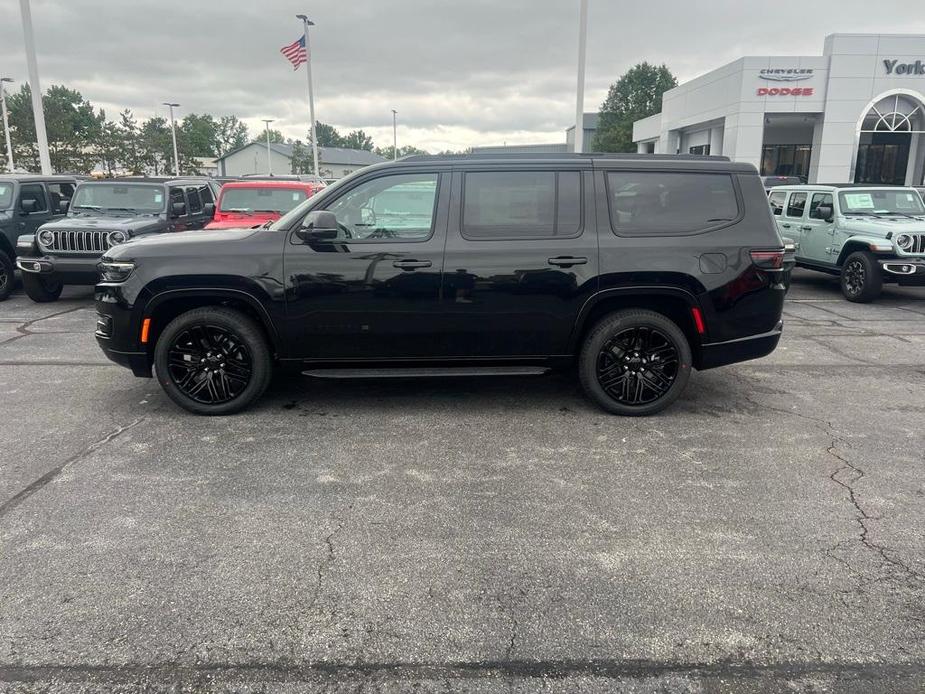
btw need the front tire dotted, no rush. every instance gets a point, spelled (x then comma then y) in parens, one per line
(41, 288)
(7, 278)
(213, 361)
(635, 363)
(861, 280)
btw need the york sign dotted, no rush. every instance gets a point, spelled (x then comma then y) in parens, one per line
(894, 67)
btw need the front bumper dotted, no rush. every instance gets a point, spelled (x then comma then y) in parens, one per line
(733, 351)
(907, 272)
(75, 270)
(116, 334)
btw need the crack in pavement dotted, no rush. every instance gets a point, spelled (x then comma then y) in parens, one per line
(847, 475)
(24, 328)
(328, 558)
(10, 504)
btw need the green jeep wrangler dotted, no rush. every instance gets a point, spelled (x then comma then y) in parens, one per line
(866, 234)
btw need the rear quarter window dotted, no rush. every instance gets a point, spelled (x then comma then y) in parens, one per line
(654, 203)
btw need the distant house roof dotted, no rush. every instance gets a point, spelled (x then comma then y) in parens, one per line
(329, 155)
(589, 122)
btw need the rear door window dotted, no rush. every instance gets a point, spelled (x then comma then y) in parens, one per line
(521, 205)
(796, 205)
(669, 204)
(776, 201)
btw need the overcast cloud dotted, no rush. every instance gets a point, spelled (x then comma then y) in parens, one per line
(459, 73)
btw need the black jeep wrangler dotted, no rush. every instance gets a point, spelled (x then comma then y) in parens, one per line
(27, 202)
(103, 214)
(637, 268)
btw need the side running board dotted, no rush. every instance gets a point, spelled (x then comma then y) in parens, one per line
(428, 372)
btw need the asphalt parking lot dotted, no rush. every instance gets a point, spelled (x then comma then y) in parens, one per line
(768, 532)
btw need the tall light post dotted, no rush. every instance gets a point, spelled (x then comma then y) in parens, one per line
(6, 125)
(580, 96)
(394, 134)
(269, 165)
(306, 22)
(173, 134)
(35, 87)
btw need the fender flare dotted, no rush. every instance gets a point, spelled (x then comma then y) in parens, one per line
(643, 290)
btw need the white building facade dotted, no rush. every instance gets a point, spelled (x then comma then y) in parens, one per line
(854, 114)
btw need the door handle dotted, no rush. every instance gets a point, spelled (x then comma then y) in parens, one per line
(806, 228)
(786, 226)
(411, 264)
(568, 261)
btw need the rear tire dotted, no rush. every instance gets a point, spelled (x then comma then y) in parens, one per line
(7, 276)
(861, 280)
(213, 361)
(41, 288)
(635, 363)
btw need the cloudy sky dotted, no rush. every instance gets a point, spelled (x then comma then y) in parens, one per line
(459, 72)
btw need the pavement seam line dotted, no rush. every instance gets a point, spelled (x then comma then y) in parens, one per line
(23, 328)
(10, 504)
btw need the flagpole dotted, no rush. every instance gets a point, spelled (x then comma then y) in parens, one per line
(311, 96)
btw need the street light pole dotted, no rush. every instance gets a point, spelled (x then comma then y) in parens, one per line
(394, 134)
(580, 96)
(173, 133)
(306, 22)
(269, 165)
(6, 125)
(35, 87)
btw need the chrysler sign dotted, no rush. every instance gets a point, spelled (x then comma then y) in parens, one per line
(787, 74)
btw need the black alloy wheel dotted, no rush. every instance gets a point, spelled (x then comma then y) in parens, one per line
(638, 365)
(209, 364)
(861, 278)
(635, 362)
(213, 360)
(6, 276)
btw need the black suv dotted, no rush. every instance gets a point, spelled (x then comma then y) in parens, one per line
(102, 214)
(639, 268)
(27, 202)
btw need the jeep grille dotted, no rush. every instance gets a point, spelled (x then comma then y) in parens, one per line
(918, 243)
(80, 241)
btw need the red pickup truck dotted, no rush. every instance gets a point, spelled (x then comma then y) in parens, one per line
(252, 203)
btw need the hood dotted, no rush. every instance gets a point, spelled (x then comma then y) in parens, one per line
(184, 243)
(245, 223)
(881, 226)
(129, 224)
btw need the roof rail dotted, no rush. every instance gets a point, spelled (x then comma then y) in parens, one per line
(563, 155)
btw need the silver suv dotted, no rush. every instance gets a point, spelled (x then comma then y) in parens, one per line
(866, 234)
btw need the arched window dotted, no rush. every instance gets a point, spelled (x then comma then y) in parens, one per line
(894, 114)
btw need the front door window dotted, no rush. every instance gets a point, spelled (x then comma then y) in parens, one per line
(391, 208)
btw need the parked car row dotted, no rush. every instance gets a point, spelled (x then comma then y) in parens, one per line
(56, 228)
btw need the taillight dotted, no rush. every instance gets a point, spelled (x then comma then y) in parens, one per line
(768, 260)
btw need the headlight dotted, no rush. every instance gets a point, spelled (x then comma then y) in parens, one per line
(46, 238)
(112, 271)
(904, 241)
(117, 237)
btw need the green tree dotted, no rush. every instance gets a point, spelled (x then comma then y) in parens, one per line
(357, 139)
(199, 135)
(156, 147)
(230, 134)
(405, 151)
(302, 162)
(129, 144)
(327, 135)
(637, 94)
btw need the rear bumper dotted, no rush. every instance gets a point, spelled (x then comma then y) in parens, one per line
(733, 351)
(67, 270)
(907, 272)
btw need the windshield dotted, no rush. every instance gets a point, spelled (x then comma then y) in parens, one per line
(6, 195)
(118, 197)
(277, 200)
(880, 201)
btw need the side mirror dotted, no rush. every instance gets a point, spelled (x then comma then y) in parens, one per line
(824, 212)
(178, 209)
(318, 225)
(209, 210)
(28, 206)
(63, 206)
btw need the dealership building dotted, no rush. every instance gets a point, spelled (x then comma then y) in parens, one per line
(854, 114)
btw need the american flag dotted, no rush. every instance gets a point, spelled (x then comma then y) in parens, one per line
(295, 53)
